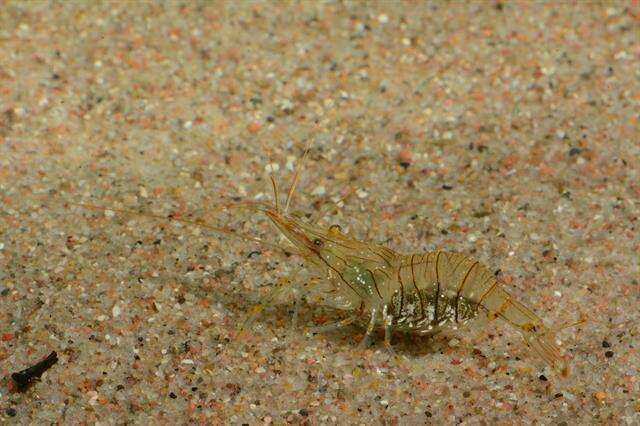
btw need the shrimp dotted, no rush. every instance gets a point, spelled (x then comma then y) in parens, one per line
(416, 293)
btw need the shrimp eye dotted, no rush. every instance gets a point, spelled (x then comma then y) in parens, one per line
(335, 229)
(318, 242)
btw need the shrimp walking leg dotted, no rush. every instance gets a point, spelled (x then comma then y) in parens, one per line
(364, 343)
(333, 326)
(283, 285)
(388, 326)
(300, 292)
(298, 296)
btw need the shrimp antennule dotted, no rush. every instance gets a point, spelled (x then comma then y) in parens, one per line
(296, 176)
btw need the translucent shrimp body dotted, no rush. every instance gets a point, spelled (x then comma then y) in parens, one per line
(419, 293)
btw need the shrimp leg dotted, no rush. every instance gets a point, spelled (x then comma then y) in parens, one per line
(299, 293)
(283, 285)
(388, 327)
(334, 325)
(364, 343)
(338, 324)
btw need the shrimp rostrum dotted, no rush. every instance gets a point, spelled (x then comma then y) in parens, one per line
(417, 293)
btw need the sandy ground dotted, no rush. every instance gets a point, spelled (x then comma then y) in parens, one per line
(505, 131)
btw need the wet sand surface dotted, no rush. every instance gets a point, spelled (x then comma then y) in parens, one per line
(508, 132)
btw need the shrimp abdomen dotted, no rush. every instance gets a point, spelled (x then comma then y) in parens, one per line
(453, 287)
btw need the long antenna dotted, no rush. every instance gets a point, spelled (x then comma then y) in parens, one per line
(296, 176)
(201, 224)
